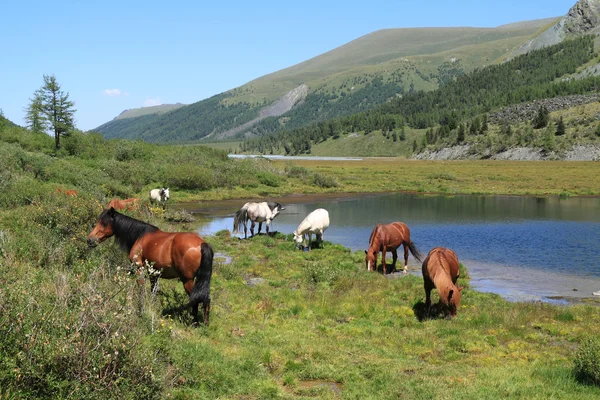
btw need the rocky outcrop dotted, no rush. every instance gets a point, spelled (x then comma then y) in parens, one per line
(582, 18)
(465, 152)
(527, 111)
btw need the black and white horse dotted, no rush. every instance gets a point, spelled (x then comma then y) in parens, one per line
(256, 212)
(159, 196)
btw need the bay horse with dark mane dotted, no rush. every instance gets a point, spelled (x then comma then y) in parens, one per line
(176, 255)
(386, 238)
(127, 204)
(441, 271)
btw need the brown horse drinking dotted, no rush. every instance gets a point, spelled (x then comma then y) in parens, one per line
(182, 255)
(386, 238)
(440, 270)
(127, 204)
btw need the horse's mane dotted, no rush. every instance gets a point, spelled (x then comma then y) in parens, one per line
(374, 239)
(127, 230)
(273, 204)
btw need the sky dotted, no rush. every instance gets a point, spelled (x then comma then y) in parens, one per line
(115, 55)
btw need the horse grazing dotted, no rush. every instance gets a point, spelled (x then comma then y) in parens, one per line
(315, 222)
(127, 204)
(386, 238)
(441, 271)
(159, 196)
(182, 255)
(68, 192)
(255, 212)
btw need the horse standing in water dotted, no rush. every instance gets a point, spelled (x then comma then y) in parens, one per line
(255, 212)
(159, 196)
(441, 271)
(386, 238)
(127, 204)
(315, 222)
(182, 255)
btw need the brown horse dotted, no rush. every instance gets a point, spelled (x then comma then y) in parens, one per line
(182, 255)
(441, 271)
(127, 204)
(386, 238)
(68, 192)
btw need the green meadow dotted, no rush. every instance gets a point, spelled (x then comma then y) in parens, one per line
(284, 323)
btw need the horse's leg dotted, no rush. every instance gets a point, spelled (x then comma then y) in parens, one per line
(206, 308)
(188, 286)
(320, 238)
(309, 240)
(428, 284)
(246, 229)
(394, 259)
(260, 228)
(252, 223)
(405, 258)
(383, 251)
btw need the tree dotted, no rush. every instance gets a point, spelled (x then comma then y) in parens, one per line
(402, 134)
(542, 118)
(50, 108)
(560, 127)
(460, 137)
(34, 113)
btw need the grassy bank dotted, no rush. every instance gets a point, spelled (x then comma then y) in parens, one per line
(284, 324)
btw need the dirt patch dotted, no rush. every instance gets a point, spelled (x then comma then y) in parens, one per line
(307, 386)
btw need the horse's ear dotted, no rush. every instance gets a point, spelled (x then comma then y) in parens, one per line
(461, 288)
(111, 211)
(366, 252)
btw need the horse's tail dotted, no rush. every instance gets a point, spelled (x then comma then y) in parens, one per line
(240, 217)
(415, 252)
(201, 290)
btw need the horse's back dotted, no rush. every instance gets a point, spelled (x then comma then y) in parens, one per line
(180, 250)
(441, 258)
(318, 220)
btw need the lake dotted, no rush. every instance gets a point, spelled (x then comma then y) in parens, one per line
(523, 248)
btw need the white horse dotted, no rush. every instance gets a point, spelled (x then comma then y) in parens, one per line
(315, 222)
(159, 196)
(256, 212)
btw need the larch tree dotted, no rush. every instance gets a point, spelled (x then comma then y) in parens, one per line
(50, 108)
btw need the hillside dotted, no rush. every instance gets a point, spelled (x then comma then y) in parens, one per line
(351, 78)
(138, 112)
(453, 114)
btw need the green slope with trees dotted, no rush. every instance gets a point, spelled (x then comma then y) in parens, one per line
(528, 77)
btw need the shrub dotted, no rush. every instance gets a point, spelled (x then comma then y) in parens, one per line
(587, 361)
(188, 176)
(269, 179)
(324, 181)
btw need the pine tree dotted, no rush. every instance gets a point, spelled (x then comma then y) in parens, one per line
(560, 127)
(50, 108)
(402, 134)
(542, 118)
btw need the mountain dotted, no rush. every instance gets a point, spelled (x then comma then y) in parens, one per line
(583, 18)
(138, 112)
(354, 77)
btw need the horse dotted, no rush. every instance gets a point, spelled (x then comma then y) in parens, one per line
(159, 196)
(386, 238)
(68, 192)
(256, 212)
(441, 271)
(127, 204)
(315, 222)
(182, 255)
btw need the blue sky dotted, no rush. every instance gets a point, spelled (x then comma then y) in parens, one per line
(114, 55)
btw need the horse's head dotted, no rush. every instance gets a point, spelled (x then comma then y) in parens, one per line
(275, 208)
(298, 239)
(165, 193)
(103, 229)
(371, 260)
(454, 301)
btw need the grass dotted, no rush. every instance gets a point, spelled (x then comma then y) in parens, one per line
(318, 325)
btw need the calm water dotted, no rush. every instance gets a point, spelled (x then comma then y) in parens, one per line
(524, 248)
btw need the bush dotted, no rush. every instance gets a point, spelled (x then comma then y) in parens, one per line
(269, 179)
(188, 176)
(587, 361)
(324, 181)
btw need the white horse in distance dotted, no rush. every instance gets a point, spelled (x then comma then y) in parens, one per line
(256, 212)
(159, 196)
(315, 222)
